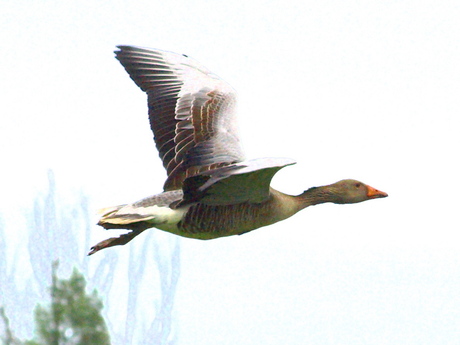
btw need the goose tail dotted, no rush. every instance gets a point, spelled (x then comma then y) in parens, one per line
(123, 217)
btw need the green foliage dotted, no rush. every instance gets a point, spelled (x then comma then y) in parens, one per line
(8, 337)
(73, 318)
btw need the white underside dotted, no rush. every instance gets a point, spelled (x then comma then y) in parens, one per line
(161, 217)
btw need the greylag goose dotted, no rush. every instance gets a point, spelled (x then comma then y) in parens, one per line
(211, 191)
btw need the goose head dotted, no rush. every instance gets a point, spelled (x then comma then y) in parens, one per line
(352, 191)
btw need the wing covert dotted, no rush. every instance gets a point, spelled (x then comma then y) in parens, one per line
(247, 181)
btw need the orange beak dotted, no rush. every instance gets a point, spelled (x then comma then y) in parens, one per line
(373, 193)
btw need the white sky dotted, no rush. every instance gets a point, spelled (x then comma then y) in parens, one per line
(350, 89)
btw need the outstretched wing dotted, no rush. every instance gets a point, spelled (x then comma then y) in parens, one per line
(191, 112)
(248, 181)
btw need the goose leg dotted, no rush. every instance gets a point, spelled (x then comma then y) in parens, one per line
(114, 241)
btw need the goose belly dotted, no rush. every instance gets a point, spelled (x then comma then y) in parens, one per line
(209, 221)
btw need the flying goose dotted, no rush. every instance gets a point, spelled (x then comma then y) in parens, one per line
(211, 190)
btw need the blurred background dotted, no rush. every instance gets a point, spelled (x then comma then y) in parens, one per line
(350, 89)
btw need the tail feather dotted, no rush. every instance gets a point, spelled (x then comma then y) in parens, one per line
(131, 217)
(108, 210)
(123, 215)
(137, 217)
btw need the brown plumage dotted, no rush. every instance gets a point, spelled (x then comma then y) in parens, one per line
(211, 190)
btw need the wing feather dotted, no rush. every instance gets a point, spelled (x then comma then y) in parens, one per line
(247, 181)
(191, 112)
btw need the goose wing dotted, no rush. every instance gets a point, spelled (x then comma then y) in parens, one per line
(247, 181)
(191, 112)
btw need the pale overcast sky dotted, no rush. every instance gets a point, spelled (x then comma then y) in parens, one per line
(350, 89)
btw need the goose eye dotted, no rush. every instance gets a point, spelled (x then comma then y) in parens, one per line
(357, 185)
